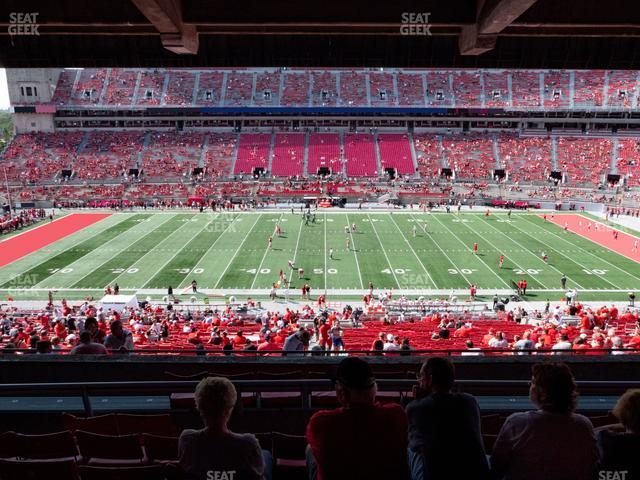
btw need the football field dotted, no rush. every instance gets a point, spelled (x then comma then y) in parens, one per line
(228, 253)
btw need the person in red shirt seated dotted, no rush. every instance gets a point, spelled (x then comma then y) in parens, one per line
(634, 341)
(361, 439)
(279, 337)
(464, 331)
(239, 339)
(269, 345)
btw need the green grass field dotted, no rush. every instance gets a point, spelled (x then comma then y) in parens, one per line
(225, 252)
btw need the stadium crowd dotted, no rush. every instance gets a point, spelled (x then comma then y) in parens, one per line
(401, 326)
(417, 442)
(10, 223)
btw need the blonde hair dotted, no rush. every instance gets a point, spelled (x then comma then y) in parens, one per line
(215, 398)
(627, 410)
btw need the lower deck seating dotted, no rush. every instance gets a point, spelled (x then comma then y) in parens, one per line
(360, 155)
(395, 152)
(288, 154)
(253, 152)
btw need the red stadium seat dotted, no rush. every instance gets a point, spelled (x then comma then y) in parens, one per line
(154, 424)
(289, 455)
(60, 445)
(160, 448)
(9, 447)
(102, 424)
(38, 469)
(145, 472)
(97, 449)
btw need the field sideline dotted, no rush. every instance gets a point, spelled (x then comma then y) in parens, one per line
(225, 252)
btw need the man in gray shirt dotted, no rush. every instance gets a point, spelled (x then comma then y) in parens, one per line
(119, 339)
(296, 343)
(524, 343)
(87, 346)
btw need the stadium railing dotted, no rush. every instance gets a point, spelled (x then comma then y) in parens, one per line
(492, 394)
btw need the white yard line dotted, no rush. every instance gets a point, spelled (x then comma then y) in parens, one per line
(384, 250)
(122, 249)
(588, 252)
(295, 253)
(414, 252)
(238, 249)
(467, 248)
(355, 252)
(538, 259)
(266, 251)
(181, 285)
(325, 252)
(154, 249)
(73, 245)
(563, 255)
(172, 257)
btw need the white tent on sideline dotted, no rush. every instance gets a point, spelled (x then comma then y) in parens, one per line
(118, 302)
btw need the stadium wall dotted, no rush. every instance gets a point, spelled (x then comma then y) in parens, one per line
(44, 79)
(112, 368)
(33, 122)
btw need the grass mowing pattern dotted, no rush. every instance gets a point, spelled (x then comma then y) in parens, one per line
(69, 256)
(229, 251)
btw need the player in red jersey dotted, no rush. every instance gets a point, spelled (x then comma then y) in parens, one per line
(501, 261)
(475, 248)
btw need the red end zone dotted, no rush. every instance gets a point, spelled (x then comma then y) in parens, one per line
(604, 236)
(28, 242)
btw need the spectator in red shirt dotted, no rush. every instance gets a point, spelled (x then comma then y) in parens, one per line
(268, 345)
(362, 439)
(634, 342)
(488, 336)
(239, 339)
(325, 341)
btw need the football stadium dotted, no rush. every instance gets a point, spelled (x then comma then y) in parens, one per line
(270, 241)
